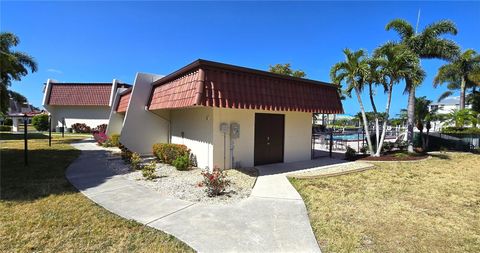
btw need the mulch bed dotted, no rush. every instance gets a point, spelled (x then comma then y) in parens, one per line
(392, 157)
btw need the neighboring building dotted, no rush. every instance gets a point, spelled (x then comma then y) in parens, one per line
(70, 103)
(228, 116)
(447, 105)
(17, 110)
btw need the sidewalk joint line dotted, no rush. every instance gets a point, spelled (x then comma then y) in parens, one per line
(176, 211)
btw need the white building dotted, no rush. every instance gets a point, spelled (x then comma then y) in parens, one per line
(228, 116)
(70, 103)
(445, 106)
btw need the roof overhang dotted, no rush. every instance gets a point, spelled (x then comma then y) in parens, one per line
(207, 83)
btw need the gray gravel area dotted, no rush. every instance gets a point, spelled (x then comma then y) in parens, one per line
(185, 184)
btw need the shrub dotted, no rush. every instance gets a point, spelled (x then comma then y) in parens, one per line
(461, 130)
(135, 161)
(101, 128)
(115, 139)
(81, 128)
(148, 170)
(182, 162)
(126, 153)
(215, 182)
(8, 122)
(363, 150)
(167, 153)
(40, 122)
(402, 145)
(350, 154)
(387, 146)
(100, 137)
(5, 128)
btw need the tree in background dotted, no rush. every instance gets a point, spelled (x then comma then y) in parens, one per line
(285, 69)
(17, 97)
(460, 74)
(40, 122)
(426, 45)
(14, 66)
(462, 117)
(352, 71)
(423, 118)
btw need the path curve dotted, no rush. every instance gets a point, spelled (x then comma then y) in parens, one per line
(272, 219)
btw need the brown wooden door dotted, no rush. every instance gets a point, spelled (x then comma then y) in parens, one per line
(269, 138)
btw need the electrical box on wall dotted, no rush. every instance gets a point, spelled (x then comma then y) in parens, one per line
(234, 130)
(224, 128)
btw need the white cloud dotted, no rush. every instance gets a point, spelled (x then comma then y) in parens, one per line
(55, 71)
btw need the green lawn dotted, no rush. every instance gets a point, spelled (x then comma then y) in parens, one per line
(426, 206)
(41, 212)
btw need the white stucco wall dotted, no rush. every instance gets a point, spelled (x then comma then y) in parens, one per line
(92, 116)
(196, 126)
(142, 128)
(297, 146)
(115, 120)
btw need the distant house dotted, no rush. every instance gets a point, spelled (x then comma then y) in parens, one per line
(17, 110)
(70, 103)
(447, 105)
(229, 116)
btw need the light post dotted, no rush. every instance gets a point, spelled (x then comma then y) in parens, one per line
(49, 130)
(25, 149)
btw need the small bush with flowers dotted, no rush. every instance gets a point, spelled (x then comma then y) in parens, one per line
(215, 182)
(101, 128)
(81, 128)
(100, 138)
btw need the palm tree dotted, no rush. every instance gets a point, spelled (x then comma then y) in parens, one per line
(397, 62)
(14, 65)
(423, 117)
(426, 45)
(373, 78)
(352, 71)
(460, 74)
(462, 117)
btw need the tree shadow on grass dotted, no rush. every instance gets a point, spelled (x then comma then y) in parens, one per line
(20, 136)
(44, 176)
(441, 156)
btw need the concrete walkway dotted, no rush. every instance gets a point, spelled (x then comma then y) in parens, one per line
(272, 219)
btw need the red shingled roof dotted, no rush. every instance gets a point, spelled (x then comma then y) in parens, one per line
(205, 83)
(97, 94)
(123, 101)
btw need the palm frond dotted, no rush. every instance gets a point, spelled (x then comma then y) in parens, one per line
(444, 95)
(442, 27)
(402, 27)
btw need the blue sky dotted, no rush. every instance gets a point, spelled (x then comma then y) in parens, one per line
(99, 41)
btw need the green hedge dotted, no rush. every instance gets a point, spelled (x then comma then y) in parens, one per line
(167, 152)
(5, 128)
(40, 122)
(461, 130)
(436, 143)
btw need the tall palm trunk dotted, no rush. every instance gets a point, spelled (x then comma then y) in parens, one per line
(365, 123)
(410, 114)
(463, 87)
(387, 114)
(375, 114)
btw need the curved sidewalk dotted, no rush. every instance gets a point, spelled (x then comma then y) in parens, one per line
(272, 219)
